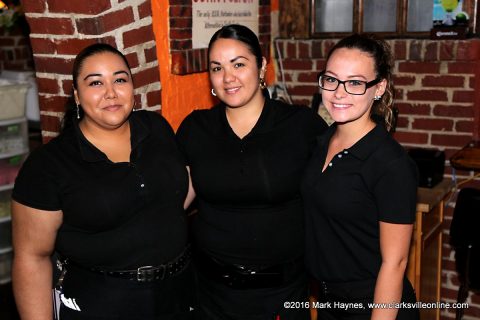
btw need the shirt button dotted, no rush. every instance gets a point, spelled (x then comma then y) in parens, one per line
(339, 155)
(345, 152)
(330, 164)
(142, 185)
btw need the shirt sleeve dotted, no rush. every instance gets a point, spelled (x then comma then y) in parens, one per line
(396, 191)
(184, 137)
(36, 185)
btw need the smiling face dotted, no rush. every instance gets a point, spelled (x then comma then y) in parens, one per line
(351, 64)
(104, 91)
(234, 73)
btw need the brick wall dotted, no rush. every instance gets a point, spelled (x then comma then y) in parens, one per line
(15, 52)
(186, 60)
(60, 29)
(435, 84)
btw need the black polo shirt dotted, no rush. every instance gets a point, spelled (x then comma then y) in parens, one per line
(248, 189)
(116, 215)
(372, 181)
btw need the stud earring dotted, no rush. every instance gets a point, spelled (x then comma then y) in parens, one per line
(213, 93)
(78, 111)
(376, 98)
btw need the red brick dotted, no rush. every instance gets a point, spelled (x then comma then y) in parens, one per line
(296, 64)
(431, 51)
(427, 95)
(400, 50)
(105, 23)
(72, 46)
(419, 67)
(52, 103)
(308, 77)
(145, 9)
(78, 6)
(433, 124)
(46, 85)
(416, 50)
(450, 140)
(463, 96)
(303, 90)
(176, 22)
(132, 59)
(403, 122)
(291, 50)
(409, 108)
(317, 49)
(454, 111)
(464, 126)
(145, 77)
(154, 98)
(468, 50)
(411, 137)
(67, 86)
(138, 36)
(60, 26)
(180, 11)
(50, 123)
(180, 44)
(443, 81)
(446, 50)
(461, 67)
(7, 42)
(34, 6)
(53, 65)
(304, 50)
(180, 34)
(471, 82)
(403, 80)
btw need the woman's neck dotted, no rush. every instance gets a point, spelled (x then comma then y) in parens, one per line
(243, 119)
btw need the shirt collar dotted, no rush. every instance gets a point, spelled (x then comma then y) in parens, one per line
(139, 130)
(365, 146)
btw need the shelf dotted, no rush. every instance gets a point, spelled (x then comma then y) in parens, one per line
(12, 154)
(12, 121)
(5, 219)
(5, 250)
(6, 280)
(4, 187)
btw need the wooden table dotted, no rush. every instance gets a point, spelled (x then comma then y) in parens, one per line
(425, 261)
(467, 158)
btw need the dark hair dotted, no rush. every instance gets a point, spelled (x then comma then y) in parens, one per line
(87, 52)
(381, 53)
(240, 33)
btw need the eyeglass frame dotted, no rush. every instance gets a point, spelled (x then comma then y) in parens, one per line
(368, 84)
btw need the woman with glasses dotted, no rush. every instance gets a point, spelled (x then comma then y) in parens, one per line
(359, 191)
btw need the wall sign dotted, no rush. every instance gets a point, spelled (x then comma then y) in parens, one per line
(210, 15)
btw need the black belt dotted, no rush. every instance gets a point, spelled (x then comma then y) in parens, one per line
(152, 273)
(238, 276)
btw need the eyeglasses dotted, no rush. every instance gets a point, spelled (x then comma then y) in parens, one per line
(355, 87)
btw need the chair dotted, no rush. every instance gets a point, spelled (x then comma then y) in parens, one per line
(465, 239)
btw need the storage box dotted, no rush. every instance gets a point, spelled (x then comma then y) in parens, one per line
(5, 203)
(431, 164)
(12, 99)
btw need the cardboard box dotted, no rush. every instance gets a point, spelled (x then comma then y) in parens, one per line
(12, 99)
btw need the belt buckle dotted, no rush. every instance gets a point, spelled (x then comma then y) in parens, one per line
(147, 273)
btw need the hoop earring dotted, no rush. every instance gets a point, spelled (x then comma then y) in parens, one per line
(78, 111)
(376, 98)
(263, 85)
(213, 93)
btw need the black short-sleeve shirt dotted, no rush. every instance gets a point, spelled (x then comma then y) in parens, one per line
(372, 181)
(248, 189)
(115, 215)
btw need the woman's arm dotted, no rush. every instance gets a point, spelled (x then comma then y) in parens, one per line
(191, 192)
(34, 233)
(394, 246)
